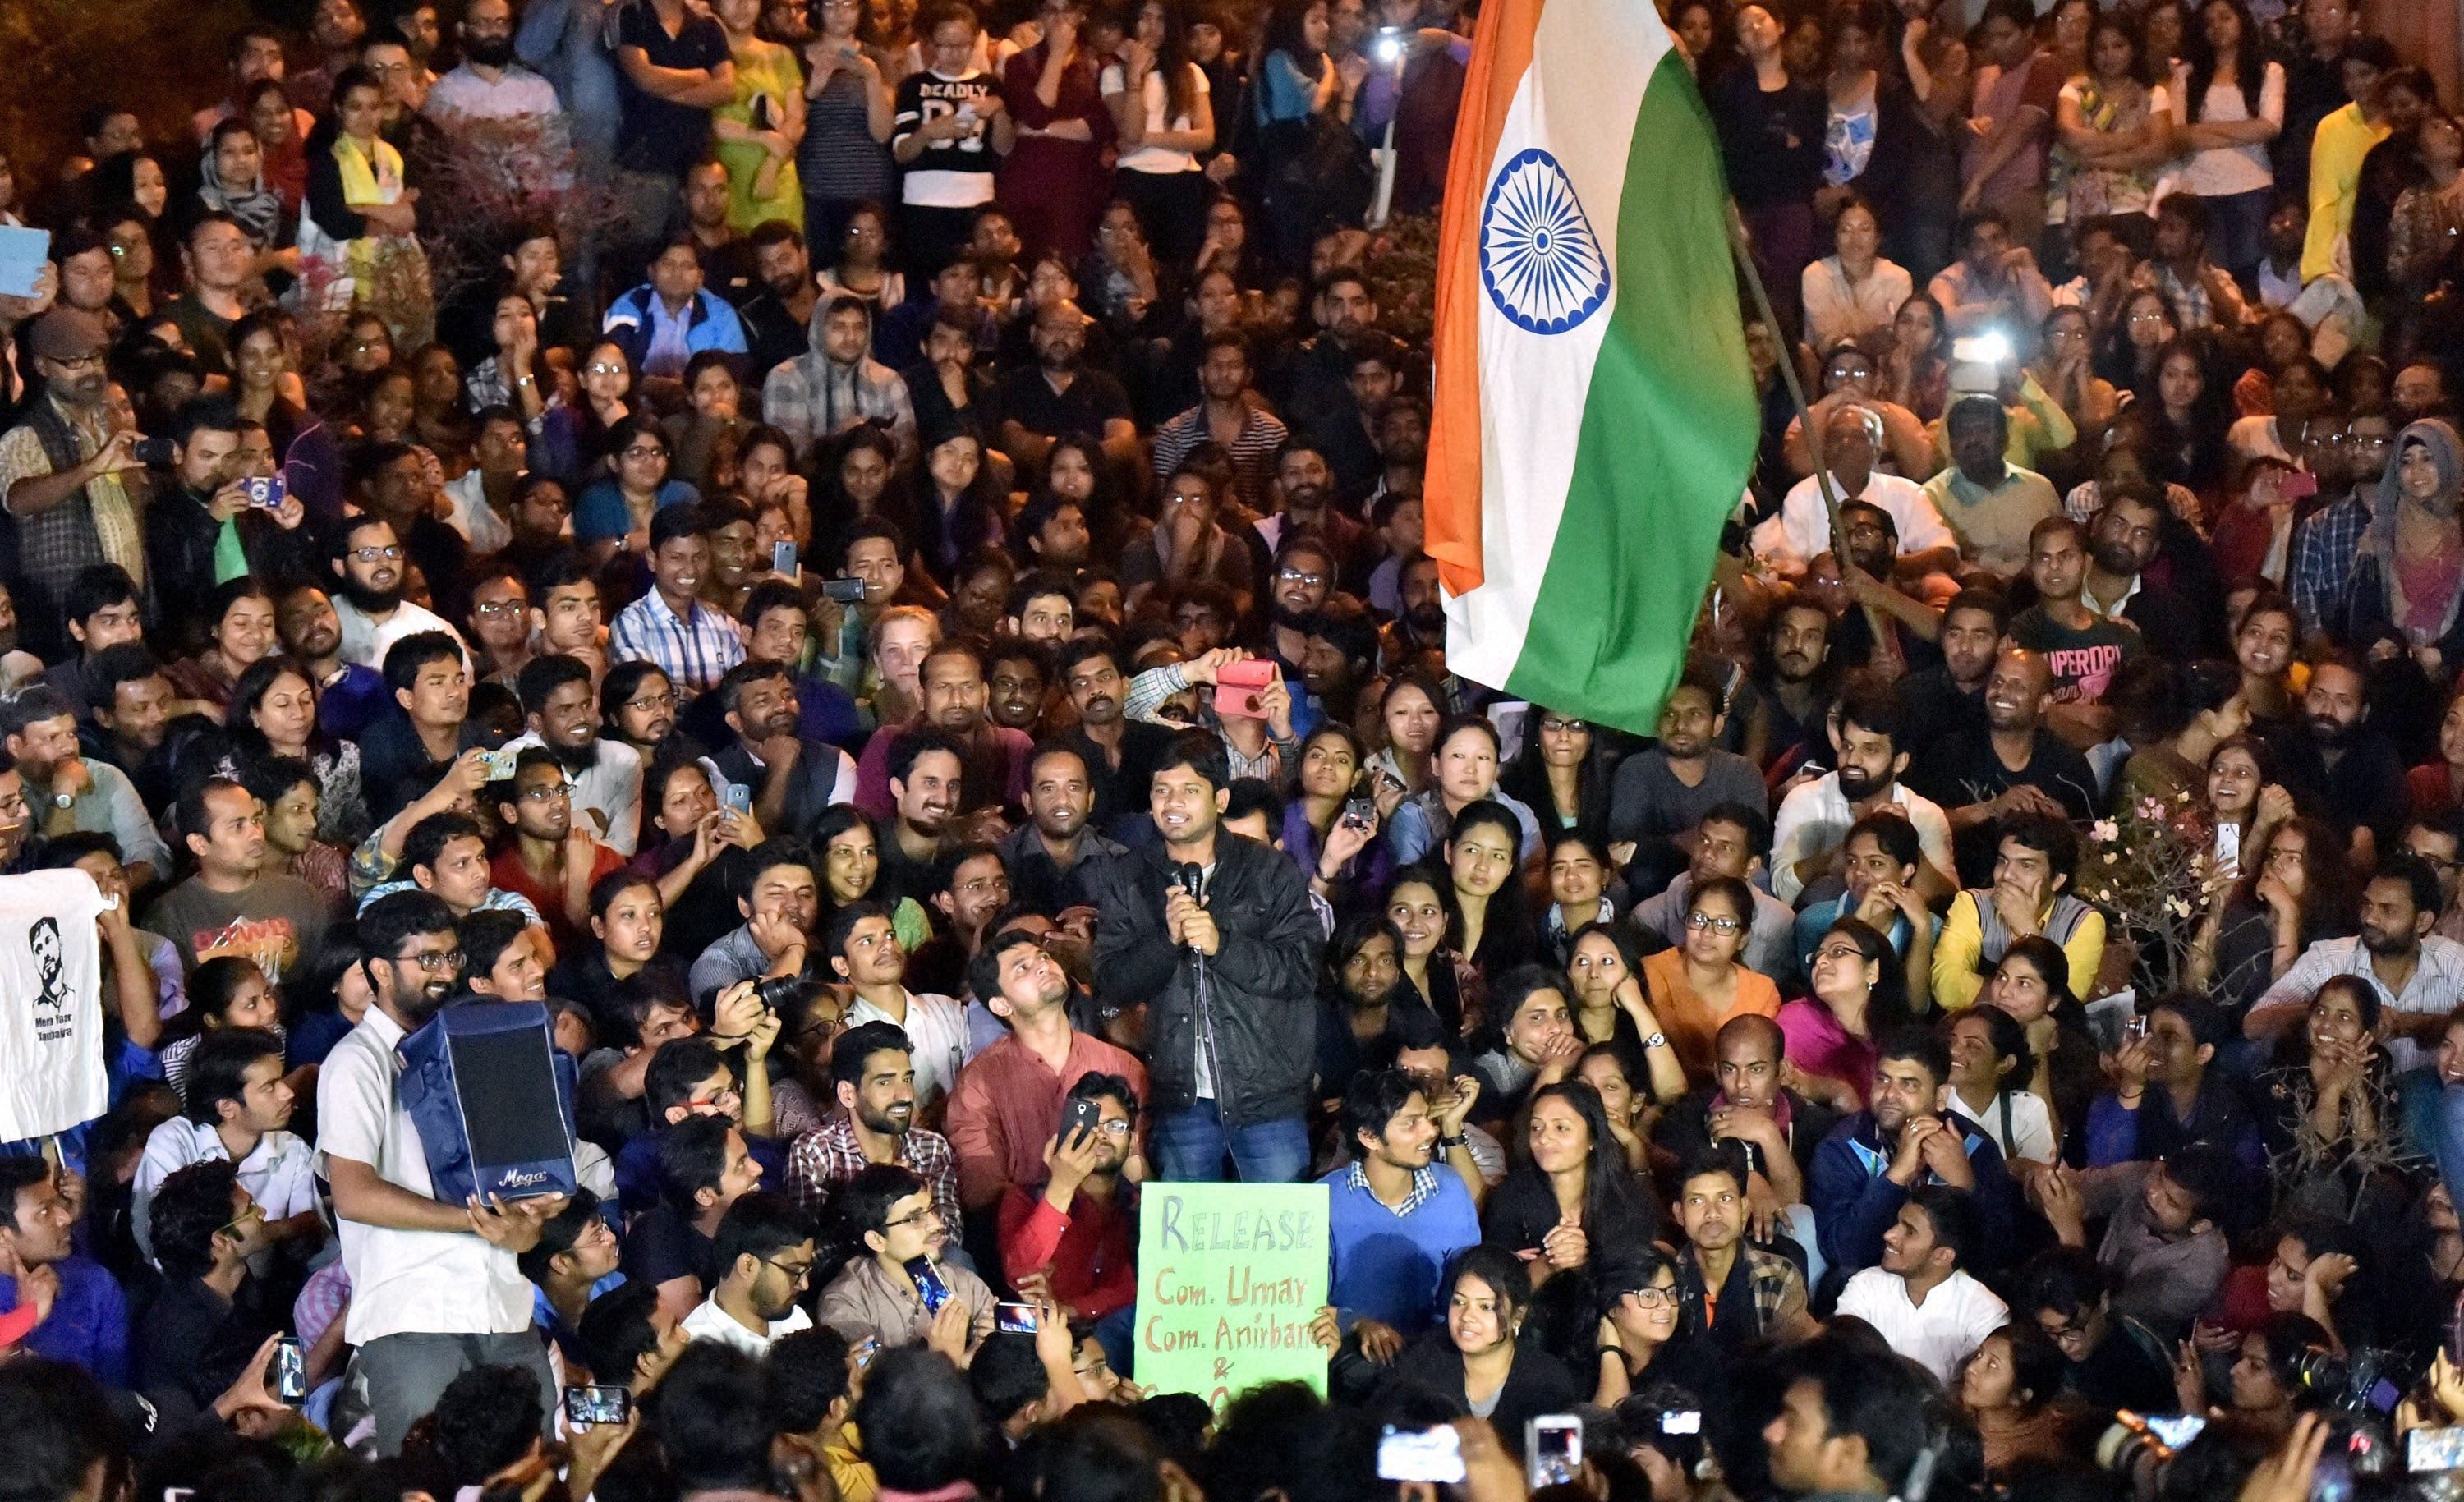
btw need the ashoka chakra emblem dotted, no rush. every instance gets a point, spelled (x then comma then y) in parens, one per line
(1538, 257)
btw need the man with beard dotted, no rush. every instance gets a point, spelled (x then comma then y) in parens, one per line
(2009, 765)
(350, 696)
(1021, 675)
(489, 86)
(781, 898)
(1880, 624)
(1304, 499)
(1851, 441)
(1864, 1170)
(1117, 752)
(2081, 647)
(2349, 770)
(794, 779)
(765, 1246)
(1053, 535)
(2350, 466)
(1338, 657)
(1669, 787)
(1949, 697)
(1298, 583)
(236, 904)
(1010, 1098)
(1045, 855)
(553, 858)
(778, 321)
(1420, 626)
(1404, 445)
(872, 1084)
(953, 695)
(970, 889)
(1228, 413)
(926, 772)
(366, 557)
(1317, 388)
(1229, 974)
(1795, 680)
(2416, 974)
(1813, 822)
(603, 776)
(1989, 504)
(836, 386)
(196, 523)
(2126, 540)
(60, 475)
(68, 792)
(435, 1288)
(1059, 395)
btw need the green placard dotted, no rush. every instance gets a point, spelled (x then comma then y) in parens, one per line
(1229, 1277)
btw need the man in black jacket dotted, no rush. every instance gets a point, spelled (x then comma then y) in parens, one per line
(1228, 976)
(185, 526)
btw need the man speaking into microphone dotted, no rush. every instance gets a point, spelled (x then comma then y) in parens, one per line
(1215, 935)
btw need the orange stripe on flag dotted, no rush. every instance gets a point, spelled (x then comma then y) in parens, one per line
(1501, 55)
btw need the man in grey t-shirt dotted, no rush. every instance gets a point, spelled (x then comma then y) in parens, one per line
(233, 905)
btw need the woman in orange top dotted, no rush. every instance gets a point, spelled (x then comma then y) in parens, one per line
(1698, 985)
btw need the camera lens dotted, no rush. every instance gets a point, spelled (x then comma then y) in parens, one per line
(780, 991)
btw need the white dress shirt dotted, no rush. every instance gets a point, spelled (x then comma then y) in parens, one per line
(939, 1031)
(710, 1322)
(1938, 1334)
(1802, 529)
(610, 787)
(427, 1282)
(275, 1172)
(366, 642)
(1816, 816)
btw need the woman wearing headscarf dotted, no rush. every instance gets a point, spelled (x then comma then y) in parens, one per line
(2408, 572)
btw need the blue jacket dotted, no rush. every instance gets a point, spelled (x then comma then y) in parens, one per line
(710, 323)
(1853, 1202)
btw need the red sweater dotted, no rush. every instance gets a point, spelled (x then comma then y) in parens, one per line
(1093, 1262)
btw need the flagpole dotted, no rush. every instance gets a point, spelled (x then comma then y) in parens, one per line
(1740, 245)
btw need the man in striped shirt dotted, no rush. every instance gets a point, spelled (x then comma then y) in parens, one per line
(1229, 413)
(689, 642)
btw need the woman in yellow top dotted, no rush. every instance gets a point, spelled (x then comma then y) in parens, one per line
(1699, 984)
(758, 130)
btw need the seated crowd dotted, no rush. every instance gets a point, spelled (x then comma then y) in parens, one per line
(895, 610)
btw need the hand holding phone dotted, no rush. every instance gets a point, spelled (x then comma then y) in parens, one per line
(1237, 686)
(1423, 1455)
(1553, 1449)
(585, 1407)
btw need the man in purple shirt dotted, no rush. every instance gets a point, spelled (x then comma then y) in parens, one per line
(88, 1325)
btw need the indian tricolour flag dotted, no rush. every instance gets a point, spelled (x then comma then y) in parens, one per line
(1595, 418)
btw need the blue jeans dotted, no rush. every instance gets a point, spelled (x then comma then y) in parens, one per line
(1190, 1145)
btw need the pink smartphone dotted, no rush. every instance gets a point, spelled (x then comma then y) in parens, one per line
(2298, 486)
(1238, 686)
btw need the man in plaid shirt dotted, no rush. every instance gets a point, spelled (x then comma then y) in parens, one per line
(873, 1072)
(2320, 572)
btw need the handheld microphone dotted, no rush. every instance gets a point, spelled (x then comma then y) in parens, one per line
(1190, 878)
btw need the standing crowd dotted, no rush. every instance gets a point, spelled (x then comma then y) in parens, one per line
(886, 596)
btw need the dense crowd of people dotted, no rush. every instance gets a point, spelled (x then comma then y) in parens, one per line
(888, 599)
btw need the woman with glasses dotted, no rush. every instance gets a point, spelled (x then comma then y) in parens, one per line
(1642, 1332)
(273, 712)
(1858, 996)
(612, 515)
(573, 434)
(842, 159)
(1701, 984)
(2297, 887)
(1559, 774)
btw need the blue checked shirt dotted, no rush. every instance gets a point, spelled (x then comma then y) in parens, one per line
(2320, 573)
(694, 652)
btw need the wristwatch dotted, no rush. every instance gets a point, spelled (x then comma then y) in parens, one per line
(1450, 1143)
(1656, 1040)
(62, 800)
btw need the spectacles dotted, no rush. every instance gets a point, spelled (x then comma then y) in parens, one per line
(432, 960)
(79, 362)
(1554, 725)
(1296, 577)
(797, 1271)
(1113, 1128)
(501, 607)
(917, 1218)
(642, 452)
(1654, 1297)
(606, 368)
(391, 554)
(1698, 921)
(1839, 951)
(548, 793)
(651, 703)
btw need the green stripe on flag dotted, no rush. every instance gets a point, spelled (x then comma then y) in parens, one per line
(1668, 434)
